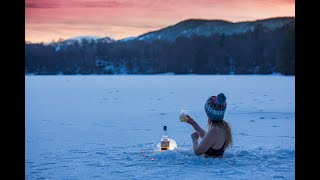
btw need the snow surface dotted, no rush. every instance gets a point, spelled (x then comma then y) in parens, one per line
(108, 127)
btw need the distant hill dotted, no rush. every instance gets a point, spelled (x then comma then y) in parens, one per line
(80, 39)
(198, 27)
(62, 44)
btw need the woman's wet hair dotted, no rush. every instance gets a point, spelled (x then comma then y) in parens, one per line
(227, 130)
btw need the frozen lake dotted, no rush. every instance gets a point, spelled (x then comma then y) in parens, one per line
(108, 127)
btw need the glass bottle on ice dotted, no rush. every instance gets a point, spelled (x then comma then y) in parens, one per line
(165, 142)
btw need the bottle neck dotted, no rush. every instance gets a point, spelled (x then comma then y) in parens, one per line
(165, 133)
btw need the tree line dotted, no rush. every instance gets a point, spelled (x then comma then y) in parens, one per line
(259, 51)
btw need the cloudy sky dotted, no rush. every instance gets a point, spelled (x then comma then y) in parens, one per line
(48, 20)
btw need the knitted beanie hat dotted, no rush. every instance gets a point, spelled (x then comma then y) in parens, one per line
(215, 107)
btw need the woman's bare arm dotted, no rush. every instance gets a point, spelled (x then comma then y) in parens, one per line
(196, 127)
(205, 144)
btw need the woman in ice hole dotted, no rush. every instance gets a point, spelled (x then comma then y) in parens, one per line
(218, 138)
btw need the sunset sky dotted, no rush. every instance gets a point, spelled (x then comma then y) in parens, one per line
(48, 20)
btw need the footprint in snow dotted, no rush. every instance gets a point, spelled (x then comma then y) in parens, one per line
(278, 177)
(244, 134)
(136, 129)
(69, 124)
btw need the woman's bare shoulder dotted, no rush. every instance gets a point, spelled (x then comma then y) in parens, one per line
(213, 130)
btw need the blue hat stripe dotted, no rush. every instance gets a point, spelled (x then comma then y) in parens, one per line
(213, 111)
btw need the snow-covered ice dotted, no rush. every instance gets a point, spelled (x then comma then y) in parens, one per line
(108, 127)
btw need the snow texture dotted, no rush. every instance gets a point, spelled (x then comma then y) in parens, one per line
(108, 127)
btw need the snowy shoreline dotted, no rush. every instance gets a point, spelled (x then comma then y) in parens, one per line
(107, 127)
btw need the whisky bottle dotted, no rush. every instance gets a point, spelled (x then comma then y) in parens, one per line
(165, 141)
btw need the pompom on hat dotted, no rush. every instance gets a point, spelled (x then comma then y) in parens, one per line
(215, 107)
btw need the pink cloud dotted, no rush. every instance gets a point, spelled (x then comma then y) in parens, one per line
(51, 19)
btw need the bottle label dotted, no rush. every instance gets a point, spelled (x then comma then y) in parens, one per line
(165, 145)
